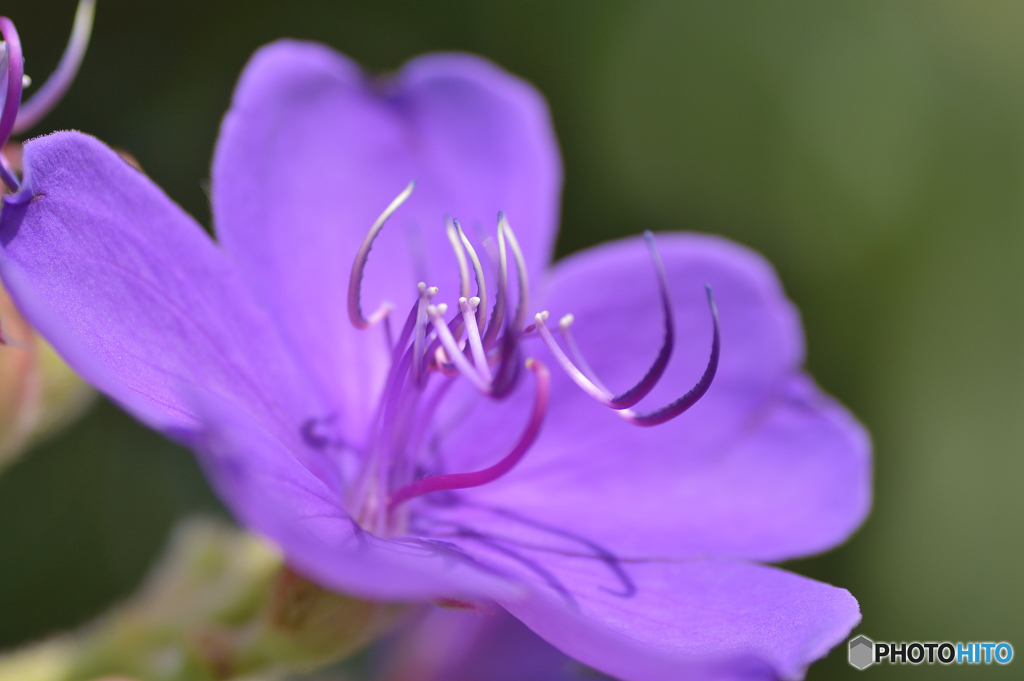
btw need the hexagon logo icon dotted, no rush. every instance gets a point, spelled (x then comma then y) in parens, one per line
(862, 652)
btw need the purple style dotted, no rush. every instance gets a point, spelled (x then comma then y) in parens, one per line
(396, 451)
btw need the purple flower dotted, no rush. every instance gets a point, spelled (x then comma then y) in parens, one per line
(631, 549)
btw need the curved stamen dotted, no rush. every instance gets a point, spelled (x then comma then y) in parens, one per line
(670, 411)
(478, 272)
(575, 355)
(524, 283)
(639, 391)
(355, 280)
(460, 256)
(15, 72)
(56, 86)
(468, 309)
(577, 376)
(600, 394)
(451, 347)
(498, 316)
(451, 481)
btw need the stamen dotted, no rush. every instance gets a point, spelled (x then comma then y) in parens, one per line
(508, 369)
(574, 351)
(422, 424)
(56, 86)
(498, 316)
(14, 68)
(524, 285)
(653, 375)
(584, 383)
(452, 481)
(478, 272)
(450, 345)
(419, 339)
(355, 281)
(580, 372)
(468, 308)
(442, 365)
(670, 411)
(440, 362)
(460, 256)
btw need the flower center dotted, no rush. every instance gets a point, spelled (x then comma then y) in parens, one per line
(432, 352)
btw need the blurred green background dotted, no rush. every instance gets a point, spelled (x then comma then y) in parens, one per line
(874, 151)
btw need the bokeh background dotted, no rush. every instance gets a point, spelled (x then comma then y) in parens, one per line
(874, 151)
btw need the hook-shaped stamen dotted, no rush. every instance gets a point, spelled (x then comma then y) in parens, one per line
(498, 316)
(460, 256)
(670, 411)
(469, 309)
(646, 384)
(478, 272)
(578, 377)
(601, 394)
(355, 280)
(451, 347)
(15, 72)
(522, 277)
(56, 86)
(564, 328)
(451, 481)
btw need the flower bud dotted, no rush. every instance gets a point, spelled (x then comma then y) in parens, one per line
(39, 393)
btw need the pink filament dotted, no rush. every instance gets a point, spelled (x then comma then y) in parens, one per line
(451, 481)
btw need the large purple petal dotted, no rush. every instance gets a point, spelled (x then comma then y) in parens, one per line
(313, 150)
(700, 620)
(764, 467)
(272, 493)
(135, 295)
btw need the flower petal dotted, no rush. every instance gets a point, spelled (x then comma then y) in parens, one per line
(459, 645)
(313, 150)
(764, 467)
(272, 493)
(134, 294)
(699, 620)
